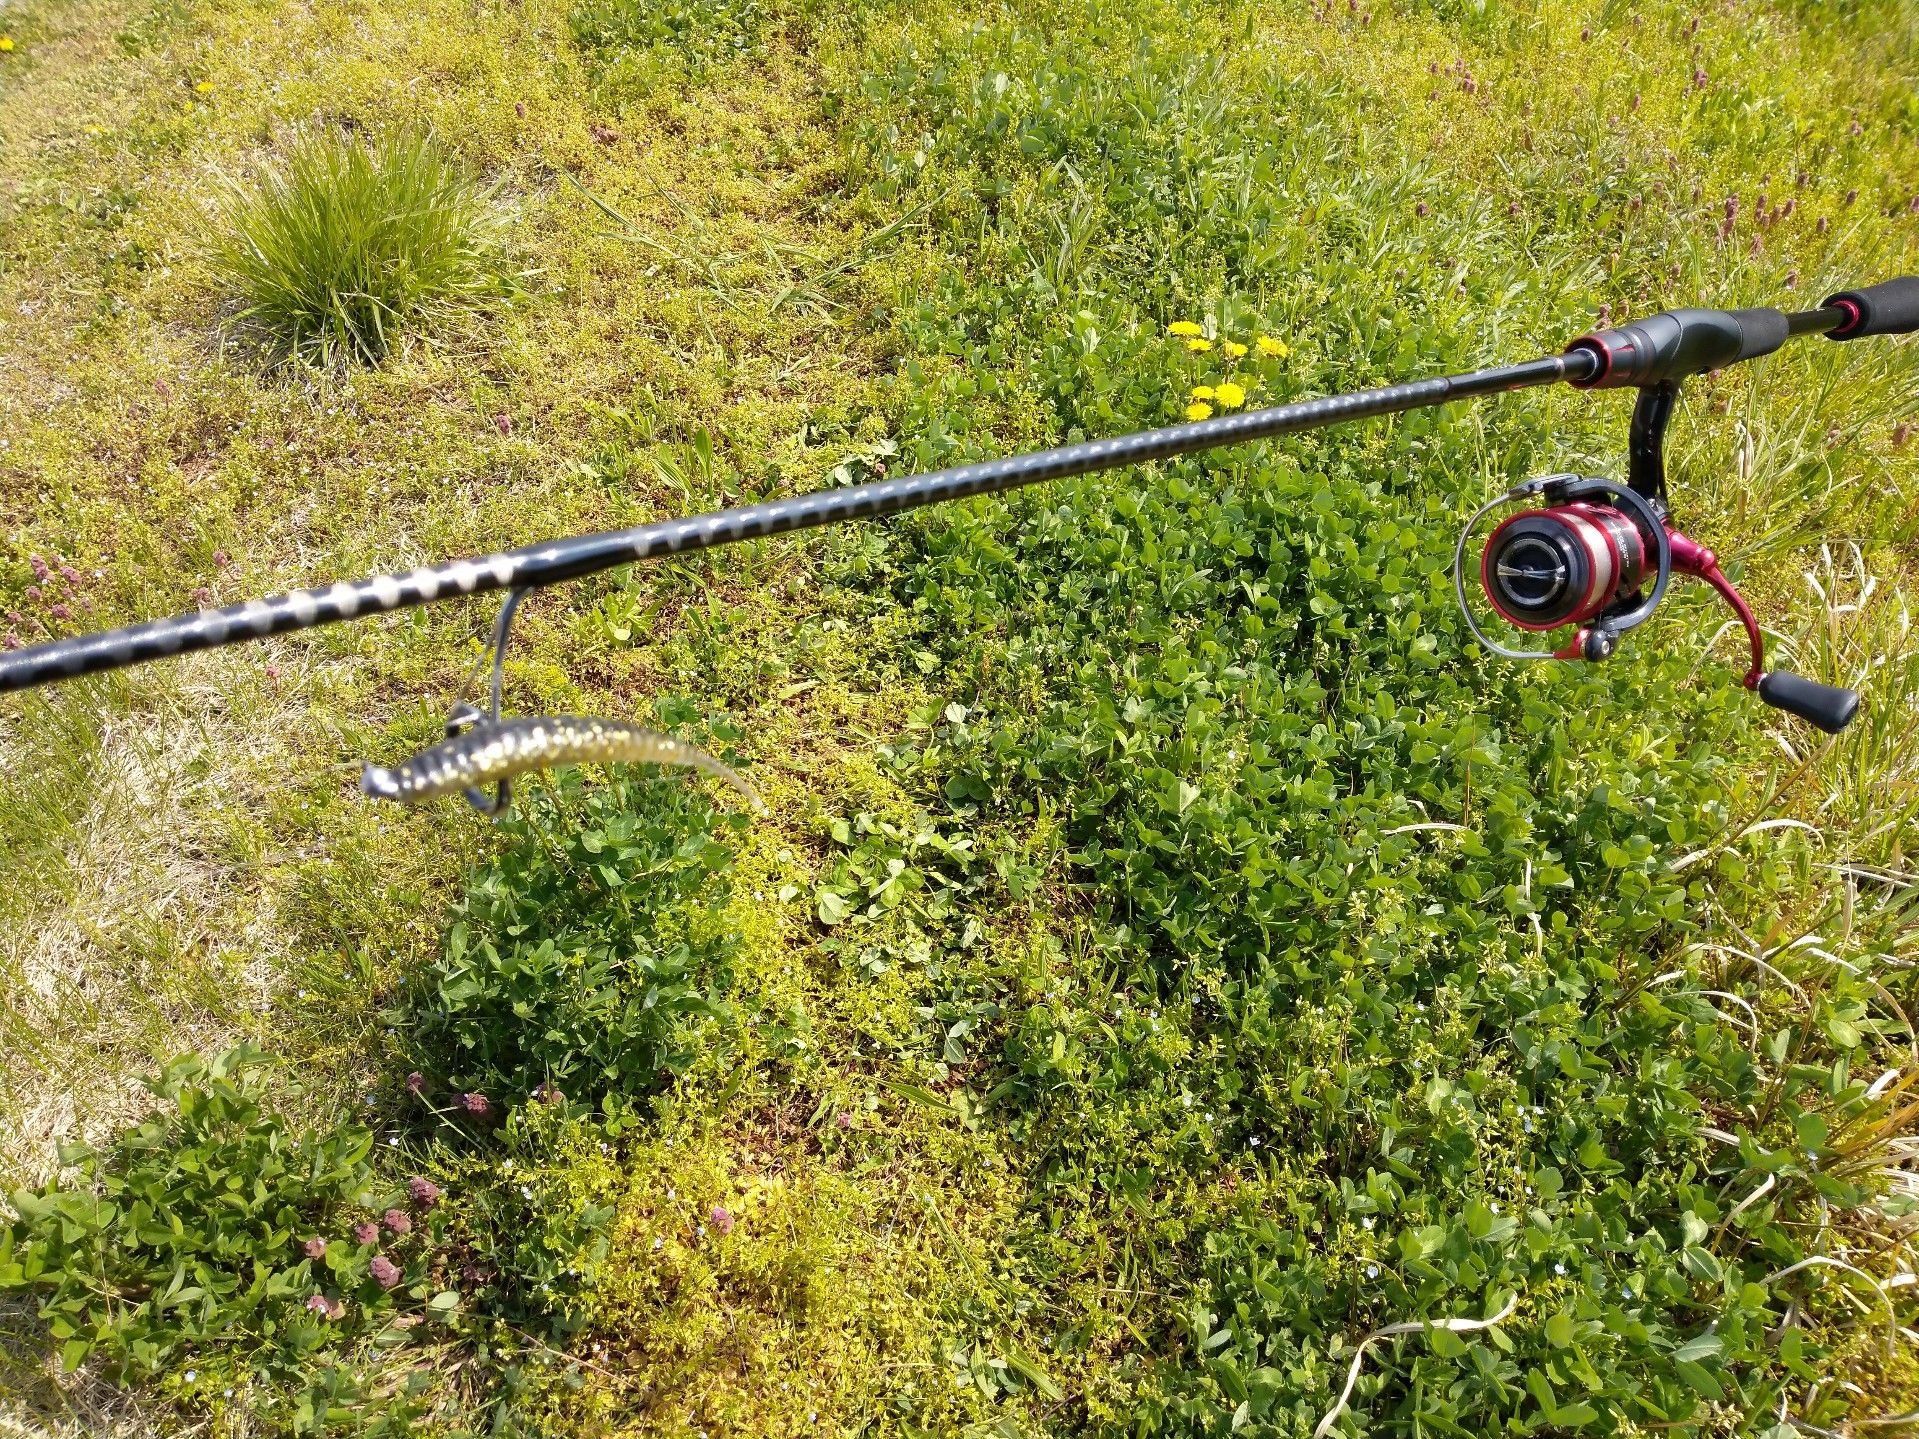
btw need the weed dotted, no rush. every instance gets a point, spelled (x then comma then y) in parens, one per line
(213, 1241)
(343, 246)
(577, 959)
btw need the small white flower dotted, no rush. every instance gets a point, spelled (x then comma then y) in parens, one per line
(392, 1141)
(526, 1192)
(1366, 1222)
(191, 1375)
(1559, 1268)
(1253, 1142)
(658, 1242)
(1372, 1271)
(226, 1393)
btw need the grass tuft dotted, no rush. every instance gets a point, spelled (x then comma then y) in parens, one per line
(347, 246)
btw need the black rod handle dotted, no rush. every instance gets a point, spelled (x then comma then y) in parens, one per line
(1888, 308)
(1827, 706)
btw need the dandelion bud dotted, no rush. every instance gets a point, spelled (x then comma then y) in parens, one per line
(314, 1248)
(397, 1222)
(423, 1192)
(366, 1232)
(384, 1271)
(722, 1219)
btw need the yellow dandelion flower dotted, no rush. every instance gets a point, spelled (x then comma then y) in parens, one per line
(1199, 347)
(6, 43)
(1229, 395)
(1199, 410)
(1202, 392)
(1275, 348)
(1184, 329)
(205, 87)
(1234, 348)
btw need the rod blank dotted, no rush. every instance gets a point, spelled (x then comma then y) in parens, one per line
(552, 561)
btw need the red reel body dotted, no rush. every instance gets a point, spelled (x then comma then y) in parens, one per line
(1582, 556)
(1545, 568)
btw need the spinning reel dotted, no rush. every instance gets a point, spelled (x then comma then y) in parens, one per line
(1599, 556)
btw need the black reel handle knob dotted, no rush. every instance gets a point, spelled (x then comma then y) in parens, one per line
(1827, 706)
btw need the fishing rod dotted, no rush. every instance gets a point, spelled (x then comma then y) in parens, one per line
(1589, 553)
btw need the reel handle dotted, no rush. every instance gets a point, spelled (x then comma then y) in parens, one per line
(1828, 707)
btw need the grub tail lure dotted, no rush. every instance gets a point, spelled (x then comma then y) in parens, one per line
(495, 750)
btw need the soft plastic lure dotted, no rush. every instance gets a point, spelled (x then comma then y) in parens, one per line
(496, 750)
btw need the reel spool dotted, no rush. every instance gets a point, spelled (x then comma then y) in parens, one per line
(1599, 556)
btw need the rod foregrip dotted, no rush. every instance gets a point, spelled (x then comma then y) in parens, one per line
(1827, 706)
(1888, 308)
(1676, 343)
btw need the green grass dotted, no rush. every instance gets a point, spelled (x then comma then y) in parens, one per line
(1115, 826)
(342, 246)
